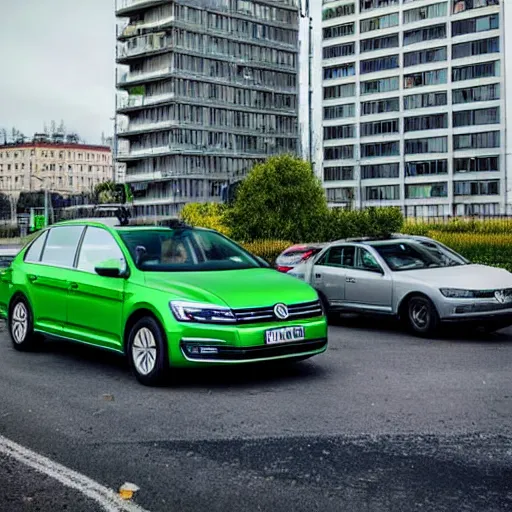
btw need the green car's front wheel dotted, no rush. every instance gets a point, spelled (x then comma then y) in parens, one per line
(147, 352)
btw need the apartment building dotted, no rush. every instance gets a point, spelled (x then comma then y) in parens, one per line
(411, 97)
(207, 88)
(65, 168)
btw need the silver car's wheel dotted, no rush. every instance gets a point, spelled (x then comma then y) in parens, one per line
(144, 351)
(147, 351)
(19, 323)
(422, 315)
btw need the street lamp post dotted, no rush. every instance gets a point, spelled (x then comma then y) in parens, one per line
(45, 189)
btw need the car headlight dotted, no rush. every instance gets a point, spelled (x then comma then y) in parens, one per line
(185, 311)
(454, 293)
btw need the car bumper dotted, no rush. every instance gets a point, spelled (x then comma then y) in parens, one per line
(475, 311)
(199, 345)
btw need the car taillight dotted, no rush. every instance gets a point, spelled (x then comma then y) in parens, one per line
(283, 269)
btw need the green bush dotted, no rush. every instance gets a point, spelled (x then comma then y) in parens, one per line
(269, 250)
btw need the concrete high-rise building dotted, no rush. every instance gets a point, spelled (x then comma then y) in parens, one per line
(209, 87)
(410, 104)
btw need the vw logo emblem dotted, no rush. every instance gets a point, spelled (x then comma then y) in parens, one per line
(500, 297)
(281, 311)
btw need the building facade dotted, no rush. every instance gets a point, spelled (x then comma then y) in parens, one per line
(411, 98)
(207, 89)
(64, 168)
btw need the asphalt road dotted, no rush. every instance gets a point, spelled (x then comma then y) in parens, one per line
(381, 422)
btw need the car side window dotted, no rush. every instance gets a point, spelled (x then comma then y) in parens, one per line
(61, 246)
(33, 254)
(98, 245)
(366, 261)
(339, 256)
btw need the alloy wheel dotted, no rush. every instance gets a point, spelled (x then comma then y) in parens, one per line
(144, 351)
(419, 314)
(19, 323)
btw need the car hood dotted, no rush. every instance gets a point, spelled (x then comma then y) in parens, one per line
(251, 288)
(467, 277)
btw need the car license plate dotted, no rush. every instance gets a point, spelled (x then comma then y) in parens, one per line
(284, 335)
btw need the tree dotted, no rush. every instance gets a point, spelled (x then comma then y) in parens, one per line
(109, 192)
(280, 199)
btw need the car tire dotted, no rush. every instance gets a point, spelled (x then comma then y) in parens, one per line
(21, 325)
(422, 316)
(147, 351)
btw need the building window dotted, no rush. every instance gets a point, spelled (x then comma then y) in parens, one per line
(339, 153)
(476, 117)
(379, 23)
(379, 43)
(477, 140)
(430, 122)
(473, 25)
(380, 106)
(476, 188)
(472, 48)
(432, 145)
(339, 173)
(339, 50)
(475, 94)
(425, 100)
(426, 13)
(380, 149)
(382, 193)
(346, 131)
(425, 56)
(367, 5)
(425, 34)
(380, 171)
(339, 111)
(340, 71)
(381, 85)
(339, 91)
(426, 190)
(477, 164)
(339, 31)
(379, 128)
(439, 76)
(338, 11)
(339, 195)
(475, 71)
(426, 168)
(380, 64)
(464, 5)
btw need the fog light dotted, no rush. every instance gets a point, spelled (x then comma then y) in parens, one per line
(198, 349)
(209, 350)
(193, 349)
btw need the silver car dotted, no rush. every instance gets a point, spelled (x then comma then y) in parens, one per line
(417, 279)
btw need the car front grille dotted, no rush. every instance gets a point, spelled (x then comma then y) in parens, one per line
(266, 314)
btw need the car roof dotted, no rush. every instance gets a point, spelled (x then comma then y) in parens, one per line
(395, 237)
(113, 223)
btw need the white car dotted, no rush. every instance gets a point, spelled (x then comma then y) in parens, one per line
(414, 278)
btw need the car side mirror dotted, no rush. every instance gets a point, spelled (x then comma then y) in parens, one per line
(110, 268)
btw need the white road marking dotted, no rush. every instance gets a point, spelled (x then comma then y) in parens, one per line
(104, 497)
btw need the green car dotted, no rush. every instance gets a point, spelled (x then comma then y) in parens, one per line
(165, 296)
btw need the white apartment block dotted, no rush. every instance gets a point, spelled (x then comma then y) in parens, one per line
(411, 97)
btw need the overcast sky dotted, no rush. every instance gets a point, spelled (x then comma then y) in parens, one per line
(57, 63)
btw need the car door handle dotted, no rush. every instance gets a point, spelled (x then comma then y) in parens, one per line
(74, 286)
(32, 277)
(318, 276)
(350, 280)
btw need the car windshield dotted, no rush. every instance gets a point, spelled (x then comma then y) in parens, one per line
(185, 250)
(401, 256)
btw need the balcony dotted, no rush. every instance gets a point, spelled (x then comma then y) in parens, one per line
(136, 128)
(139, 78)
(126, 30)
(128, 7)
(153, 43)
(138, 101)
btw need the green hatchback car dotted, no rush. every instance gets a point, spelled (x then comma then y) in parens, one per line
(163, 296)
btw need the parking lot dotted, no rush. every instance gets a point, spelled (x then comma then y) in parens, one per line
(381, 421)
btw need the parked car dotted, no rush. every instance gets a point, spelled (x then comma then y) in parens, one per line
(7, 255)
(415, 278)
(163, 296)
(296, 255)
